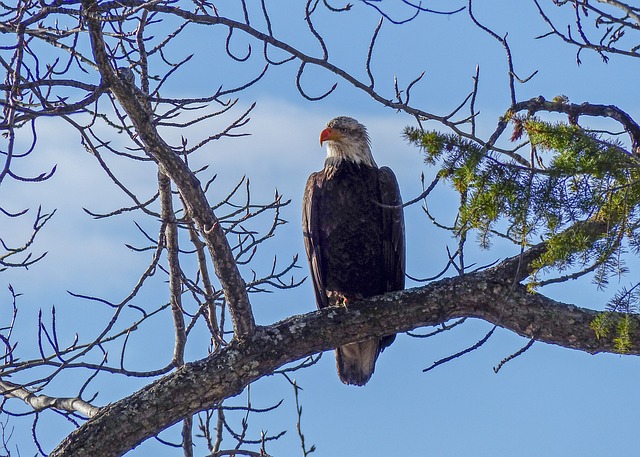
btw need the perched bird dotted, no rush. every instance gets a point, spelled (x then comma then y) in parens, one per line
(353, 229)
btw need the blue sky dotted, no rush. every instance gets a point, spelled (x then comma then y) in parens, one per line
(550, 401)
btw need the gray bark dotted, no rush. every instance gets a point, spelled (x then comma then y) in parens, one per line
(487, 295)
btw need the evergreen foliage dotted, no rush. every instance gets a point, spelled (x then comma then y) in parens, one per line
(577, 189)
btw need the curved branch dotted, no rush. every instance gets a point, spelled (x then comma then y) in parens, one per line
(306, 59)
(584, 109)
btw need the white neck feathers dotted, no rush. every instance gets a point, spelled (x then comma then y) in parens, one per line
(359, 153)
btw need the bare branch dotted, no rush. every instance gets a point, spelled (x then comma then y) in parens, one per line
(41, 402)
(175, 273)
(187, 183)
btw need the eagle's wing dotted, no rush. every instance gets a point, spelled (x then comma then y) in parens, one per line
(392, 237)
(393, 230)
(311, 233)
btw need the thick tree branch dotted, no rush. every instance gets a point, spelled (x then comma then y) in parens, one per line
(198, 385)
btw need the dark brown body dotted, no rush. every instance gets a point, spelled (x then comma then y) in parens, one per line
(354, 235)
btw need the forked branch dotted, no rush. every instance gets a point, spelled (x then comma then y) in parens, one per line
(179, 172)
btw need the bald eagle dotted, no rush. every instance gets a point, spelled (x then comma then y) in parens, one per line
(354, 235)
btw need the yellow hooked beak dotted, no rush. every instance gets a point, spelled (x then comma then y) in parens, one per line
(329, 134)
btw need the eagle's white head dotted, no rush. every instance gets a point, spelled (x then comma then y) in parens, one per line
(347, 139)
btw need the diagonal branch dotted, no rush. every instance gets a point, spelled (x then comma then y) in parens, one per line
(631, 12)
(40, 402)
(188, 185)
